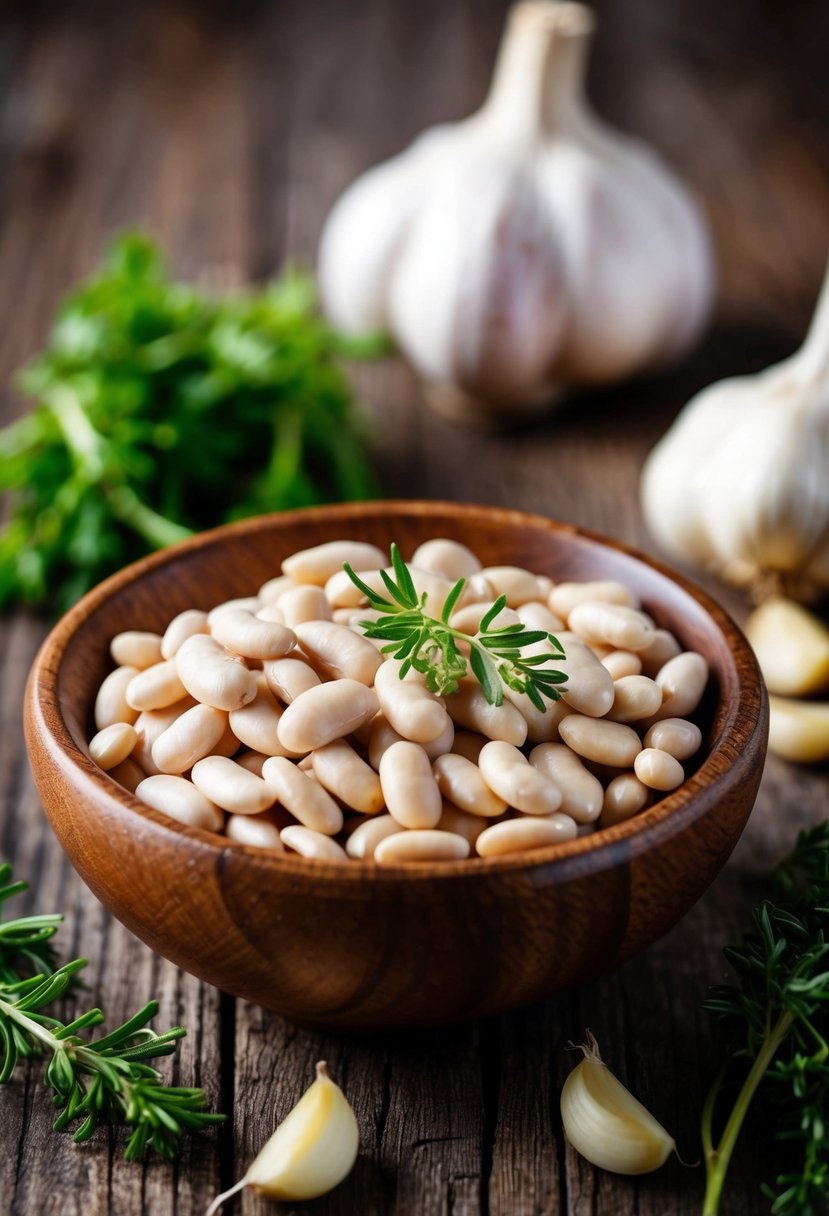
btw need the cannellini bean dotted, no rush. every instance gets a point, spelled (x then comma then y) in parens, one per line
(289, 677)
(135, 649)
(635, 698)
(621, 663)
(311, 844)
(228, 745)
(256, 830)
(447, 557)
(182, 627)
(214, 676)
(658, 770)
(256, 724)
(542, 724)
(250, 637)
(270, 591)
(469, 707)
(271, 613)
(799, 730)
(605, 742)
(589, 688)
(252, 761)
(582, 795)
(343, 773)
(381, 736)
(452, 819)
(682, 681)
(179, 798)
(156, 687)
(421, 846)
(325, 713)
(149, 726)
(342, 593)
(479, 590)
(624, 797)
(232, 787)
(663, 647)
(191, 736)
(612, 625)
(245, 603)
(511, 777)
(409, 788)
(413, 711)
(304, 797)
(536, 615)
(111, 746)
(366, 836)
(300, 604)
(518, 585)
(521, 835)
(676, 736)
(337, 652)
(468, 619)
(546, 584)
(566, 596)
(111, 701)
(128, 774)
(468, 743)
(461, 782)
(316, 565)
(443, 743)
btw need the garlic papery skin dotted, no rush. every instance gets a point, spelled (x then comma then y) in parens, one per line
(738, 485)
(311, 1151)
(606, 1124)
(527, 248)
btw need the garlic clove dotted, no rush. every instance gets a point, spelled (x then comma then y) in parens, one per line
(312, 1150)
(792, 647)
(799, 730)
(606, 1124)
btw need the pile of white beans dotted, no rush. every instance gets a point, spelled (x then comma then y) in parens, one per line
(275, 720)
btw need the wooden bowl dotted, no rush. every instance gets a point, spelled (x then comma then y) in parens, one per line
(356, 946)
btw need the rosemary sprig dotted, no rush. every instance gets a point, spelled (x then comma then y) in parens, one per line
(776, 1018)
(97, 1081)
(430, 644)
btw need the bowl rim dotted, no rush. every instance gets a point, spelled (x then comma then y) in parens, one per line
(621, 842)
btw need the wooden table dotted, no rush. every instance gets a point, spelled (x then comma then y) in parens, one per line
(228, 129)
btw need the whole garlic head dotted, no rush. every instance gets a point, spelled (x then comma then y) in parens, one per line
(526, 248)
(739, 483)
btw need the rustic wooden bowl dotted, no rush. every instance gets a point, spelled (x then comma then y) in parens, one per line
(354, 946)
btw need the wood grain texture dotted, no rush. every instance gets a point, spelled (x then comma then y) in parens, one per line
(229, 129)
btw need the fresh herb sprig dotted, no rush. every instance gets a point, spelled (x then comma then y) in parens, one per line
(161, 409)
(94, 1081)
(430, 644)
(775, 1020)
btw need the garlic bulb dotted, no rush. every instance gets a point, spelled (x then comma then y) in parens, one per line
(311, 1151)
(739, 483)
(526, 248)
(606, 1124)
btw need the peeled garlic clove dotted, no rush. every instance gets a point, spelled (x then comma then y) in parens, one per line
(792, 647)
(311, 1151)
(799, 730)
(606, 1124)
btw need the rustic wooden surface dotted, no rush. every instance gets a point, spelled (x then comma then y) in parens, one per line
(228, 129)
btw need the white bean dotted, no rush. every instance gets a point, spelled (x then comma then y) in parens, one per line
(245, 603)
(461, 782)
(635, 698)
(287, 678)
(156, 687)
(409, 788)
(518, 585)
(271, 613)
(452, 819)
(565, 596)
(337, 652)
(682, 681)
(149, 726)
(325, 713)
(111, 700)
(250, 637)
(136, 649)
(366, 836)
(256, 724)
(621, 663)
(316, 565)
(111, 746)
(381, 736)
(443, 743)
(182, 627)
(582, 795)
(252, 761)
(536, 615)
(255, 830)
(191, 736)
(542, 724)
(447, 557)
(468, 619)
(658, 770)
(214, 676)
(270, 591)
(589, 688)
(468, 743)
(179, 798)
(311, 844)
(424, 845)
(231, 787)
(301, 604)
(469, 707)
(413, 711)
(624, 797)
(522, 835)
(511, 777)
(605, 742)
(304, 797)
(343, 773)
(663, 648)
(677, 736)
(612, 625)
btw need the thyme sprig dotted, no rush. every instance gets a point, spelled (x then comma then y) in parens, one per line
(94, 1081)
(430, 644)
(776, 1019)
